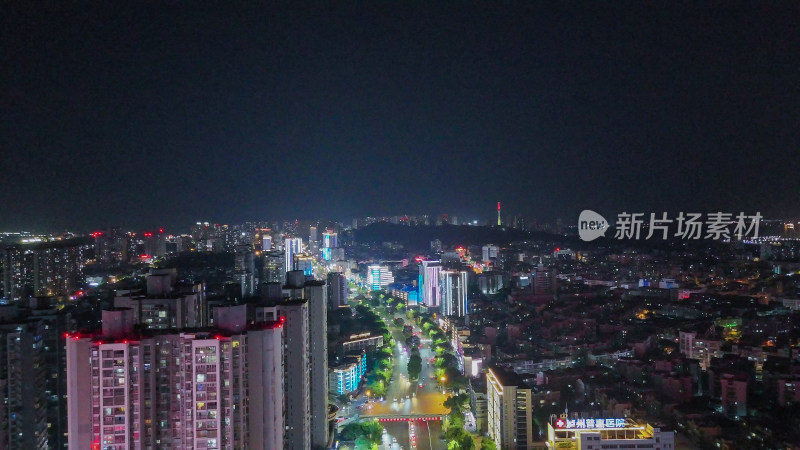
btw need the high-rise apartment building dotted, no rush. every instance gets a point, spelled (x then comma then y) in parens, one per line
(202, 389)
(167, 304)
(44, 269)
(306, 360)
(337, 290)
(509, 410)
(317, 295)
(543, 280)
(33, 411)
(23, 388)
(296, 335)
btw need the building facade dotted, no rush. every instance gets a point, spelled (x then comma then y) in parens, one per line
(431, 294)
(509, 410)
(211, 389)
(346, 377)
(580, 433)
(454, 292)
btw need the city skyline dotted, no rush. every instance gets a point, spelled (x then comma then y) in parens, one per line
(399, 225)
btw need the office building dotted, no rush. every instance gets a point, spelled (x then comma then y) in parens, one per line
(454, 292)
(173, 390)
(429, 283)
(378, 277)
(582, 433)
(509, 410)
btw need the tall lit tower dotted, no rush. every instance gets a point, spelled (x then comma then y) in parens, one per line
(499, 223)
(291, 247)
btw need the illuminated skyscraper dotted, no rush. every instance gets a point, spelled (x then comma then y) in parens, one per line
(291, 247)
(431, 294)
(304, 263)
(266, 243)
(330, 239)
(454, 292)
(499, 222)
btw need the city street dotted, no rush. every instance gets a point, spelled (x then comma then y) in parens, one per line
(406, 398)
(411, 398)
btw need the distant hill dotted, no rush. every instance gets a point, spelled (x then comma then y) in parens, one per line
(450, 235)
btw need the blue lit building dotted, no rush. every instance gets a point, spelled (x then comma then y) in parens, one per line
(305, 264)
(379, 277)
(345, 378)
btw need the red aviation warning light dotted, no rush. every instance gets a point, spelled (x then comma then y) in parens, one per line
(498, 206)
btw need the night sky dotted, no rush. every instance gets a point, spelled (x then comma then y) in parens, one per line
(146, 116)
